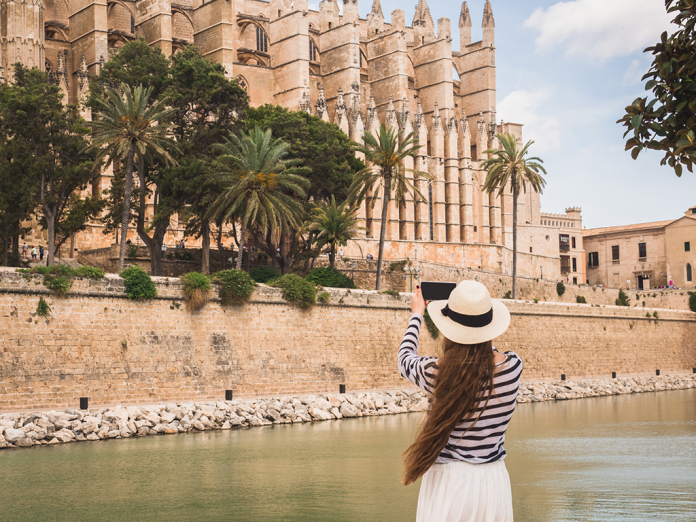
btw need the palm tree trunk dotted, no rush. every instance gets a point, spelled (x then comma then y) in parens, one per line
(514, 235)
(205, 247)
(332, 255)
(51, 229)
(383, 229)
(127, 191)
(242, 235)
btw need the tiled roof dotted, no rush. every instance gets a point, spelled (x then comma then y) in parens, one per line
(626, 228)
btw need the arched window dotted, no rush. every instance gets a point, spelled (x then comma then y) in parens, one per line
(312, 51)
(261, 40)
(241, 81)
(689, 276)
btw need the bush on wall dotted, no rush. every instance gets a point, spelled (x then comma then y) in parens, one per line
(580, 299)
(263, 274)
(560, 288)
(197, 289)
(692, 301)
(296, 290)
(622, 300)
(330, 278)
(237, 286)
(139, 284)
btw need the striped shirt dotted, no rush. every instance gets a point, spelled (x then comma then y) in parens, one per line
(484, 442)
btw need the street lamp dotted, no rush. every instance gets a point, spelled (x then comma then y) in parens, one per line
(352, 266)
(542, 273)
(481, 267)
(412, 273)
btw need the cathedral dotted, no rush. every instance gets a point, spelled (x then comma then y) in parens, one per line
(352, 71)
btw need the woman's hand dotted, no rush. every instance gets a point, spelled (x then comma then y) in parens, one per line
(418, 304)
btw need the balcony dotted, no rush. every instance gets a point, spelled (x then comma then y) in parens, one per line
(616, 262)
(565, 269)
(564, 247)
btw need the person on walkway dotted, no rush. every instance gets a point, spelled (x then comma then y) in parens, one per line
(164, 250)
(41, 252)
(24, 250)
(34, 253)
(459, 449)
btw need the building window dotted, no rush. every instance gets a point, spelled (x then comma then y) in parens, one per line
(688, 272)
(475, 228)
(642, 250)
(687, 246)
(312, 51)
(575, 264)
(261, 40)
(572, 239)
(575, 280)
(594, 259)
(430, 211)
(615, 253)
(530, 250)
(564, 242)
(473, 153)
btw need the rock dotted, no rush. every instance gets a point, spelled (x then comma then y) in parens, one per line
(113, 434)
(24, 442)
(13, 435)
(92, 436)
(319, 414)
(171, 431)
(198, 425)
(226, 425)
(336, 413)
(167, 417)
(348, 411)
(273, 414)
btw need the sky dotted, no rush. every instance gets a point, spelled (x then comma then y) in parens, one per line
(566, 70)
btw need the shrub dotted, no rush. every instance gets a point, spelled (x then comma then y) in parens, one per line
(90, 272)
(393, 293)
(508, 295)
(397, 265)
(692, 301)
(324, 297)
(330, 278)
(536, 300)
(196, 289)
(237, 286)
(655, 314)
(58, 285)
(434, 332)
(139, 284)
(263, 274)
(560, 288)
(296, 290)
(132, 252)
(623, 299)
(43, 309)
(580, 299)
(648, 315)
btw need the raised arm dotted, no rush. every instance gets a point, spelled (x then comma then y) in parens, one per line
(419, 370)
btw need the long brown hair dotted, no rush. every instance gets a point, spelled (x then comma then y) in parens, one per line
(465, 371)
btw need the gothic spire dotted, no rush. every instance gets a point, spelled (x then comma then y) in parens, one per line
(422, 16)
(488, 20)
(377, 8)
(464, 16)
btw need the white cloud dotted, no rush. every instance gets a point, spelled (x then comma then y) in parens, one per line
(599, 29)
(526, 107)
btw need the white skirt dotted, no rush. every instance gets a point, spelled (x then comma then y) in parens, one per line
(463, 492)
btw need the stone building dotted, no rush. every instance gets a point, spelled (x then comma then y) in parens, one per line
(355, 72)
(645, 255)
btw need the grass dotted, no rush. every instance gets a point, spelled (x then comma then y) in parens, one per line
(197, 290)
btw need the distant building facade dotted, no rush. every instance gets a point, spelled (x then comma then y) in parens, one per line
(643, 256)
(354, 72)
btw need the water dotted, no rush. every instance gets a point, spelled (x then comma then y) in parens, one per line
(605, 459)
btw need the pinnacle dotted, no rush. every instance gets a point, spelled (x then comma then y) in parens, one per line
(464, 16)
(422, 12)
(488, 20)
(377, 8)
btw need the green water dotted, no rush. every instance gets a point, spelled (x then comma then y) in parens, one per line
(628, 458)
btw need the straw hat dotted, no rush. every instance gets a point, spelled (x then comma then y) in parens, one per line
(470, 316)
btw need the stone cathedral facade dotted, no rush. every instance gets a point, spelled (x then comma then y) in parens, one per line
(355, 72)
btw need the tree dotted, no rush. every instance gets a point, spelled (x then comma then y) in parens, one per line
(47, 143)
(328, 154)
(667, 122)
(127, 124)
(510, 165)
(386, 152)
(253, 176)
(207, 107)
(334, 224)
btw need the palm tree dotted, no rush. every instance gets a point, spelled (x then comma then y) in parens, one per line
(255, 181)
(386, 152)
(125, 126)
(510, 165)
(335, 224)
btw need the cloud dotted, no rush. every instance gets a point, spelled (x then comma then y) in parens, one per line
(599, 29)
(526, 107)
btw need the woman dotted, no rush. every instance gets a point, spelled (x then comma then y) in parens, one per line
(459, 449)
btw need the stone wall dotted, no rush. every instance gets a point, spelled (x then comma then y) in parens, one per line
(99, 344)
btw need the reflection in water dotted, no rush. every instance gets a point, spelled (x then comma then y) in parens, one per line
(608, 459)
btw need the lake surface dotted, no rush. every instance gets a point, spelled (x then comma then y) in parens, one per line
(623, 458)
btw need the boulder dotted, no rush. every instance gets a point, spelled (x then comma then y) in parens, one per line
(12, 435)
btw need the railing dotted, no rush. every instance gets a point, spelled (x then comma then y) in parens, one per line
(565, 269)
(564, 248)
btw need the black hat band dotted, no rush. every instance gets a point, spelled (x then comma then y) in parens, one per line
(472, 321)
